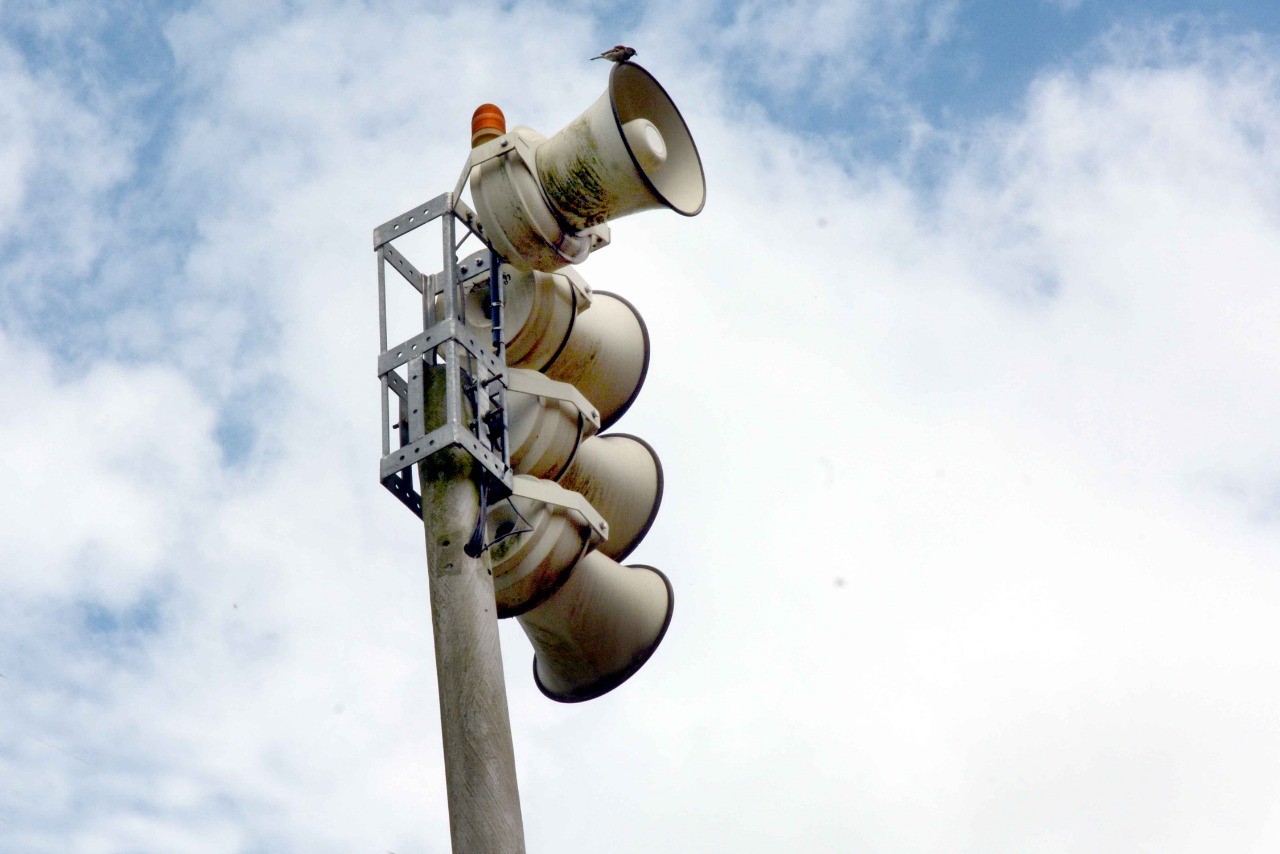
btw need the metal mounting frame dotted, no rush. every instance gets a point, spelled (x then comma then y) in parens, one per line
(474, 370)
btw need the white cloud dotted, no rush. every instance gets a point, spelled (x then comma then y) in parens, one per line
(831, 50)
(946, 574)
(103, 474)
(1132, 211)
(57, 156)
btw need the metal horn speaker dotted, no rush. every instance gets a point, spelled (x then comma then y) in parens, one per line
(548, 421)
(606, 356)
(598, 628)
(630, 151)
(543, 203)
(621, 477)
(537, 536)
(538, 312)
(554, 323)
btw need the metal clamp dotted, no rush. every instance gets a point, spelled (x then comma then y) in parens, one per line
(536, 383)
(547, 492)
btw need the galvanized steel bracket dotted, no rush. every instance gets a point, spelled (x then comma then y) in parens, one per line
(471, 364)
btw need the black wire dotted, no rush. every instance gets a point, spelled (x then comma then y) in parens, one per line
(475, 546)
(528, 527)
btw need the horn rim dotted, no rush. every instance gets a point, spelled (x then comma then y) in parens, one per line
(564, 342)
(606, 423)
(607, 683)
(577, 443)
(657, 501)
(613, 105)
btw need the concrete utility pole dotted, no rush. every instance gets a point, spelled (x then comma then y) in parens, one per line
(479, 760)
(445, 380)
(475, 726)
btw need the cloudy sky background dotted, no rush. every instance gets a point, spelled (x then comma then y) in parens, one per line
(964, 383)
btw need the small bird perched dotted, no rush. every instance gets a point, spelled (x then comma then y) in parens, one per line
(617, 53)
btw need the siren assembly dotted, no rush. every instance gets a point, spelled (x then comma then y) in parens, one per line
(529, 369)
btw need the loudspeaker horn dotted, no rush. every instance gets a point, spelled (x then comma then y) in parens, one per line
(554, 323)
(606, 356)
(537, 536)
(547, 422)
(621, 476)
(544, 203)
(598, 628)
(538, 314)
(630, 151)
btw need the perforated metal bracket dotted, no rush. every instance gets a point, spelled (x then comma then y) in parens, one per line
(403, 266)
(411, 219)
(471, 362)
(437, 440)
(424, 342)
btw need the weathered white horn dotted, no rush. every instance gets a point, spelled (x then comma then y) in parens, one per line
(547, 422)
(630, 151)
(621, 476)
(606, 356)
(538, 312)
(556, 324)
(598, 628)
(543, 202)
(536, 537)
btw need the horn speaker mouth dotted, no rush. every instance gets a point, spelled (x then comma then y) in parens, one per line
(608, 422)
(606, 683)
(634, 93)
(657, 501)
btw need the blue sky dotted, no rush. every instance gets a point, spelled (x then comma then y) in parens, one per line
(963, 382)
(948, 65)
